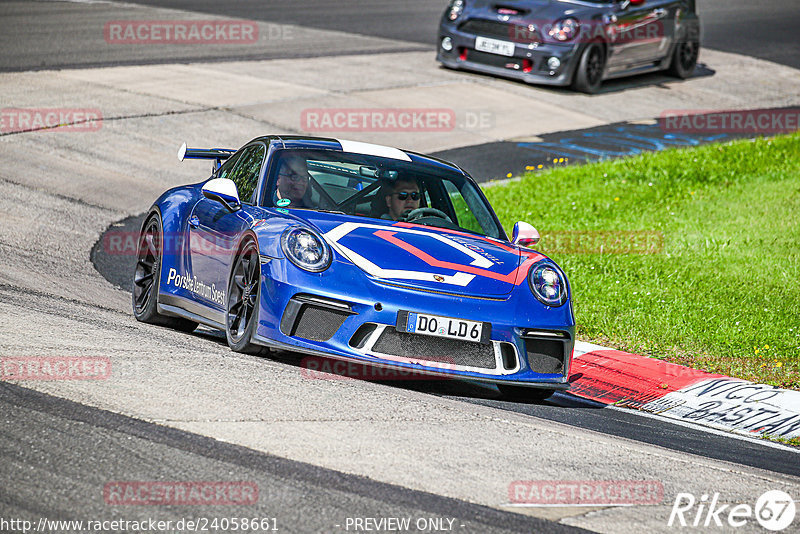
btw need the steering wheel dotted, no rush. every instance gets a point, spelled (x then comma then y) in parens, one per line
(419, 213)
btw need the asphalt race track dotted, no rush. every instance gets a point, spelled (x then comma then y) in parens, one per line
(322, 452)
(738, 26)
(46, 424)
(561, 408)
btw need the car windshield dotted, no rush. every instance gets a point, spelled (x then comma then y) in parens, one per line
(379, 188)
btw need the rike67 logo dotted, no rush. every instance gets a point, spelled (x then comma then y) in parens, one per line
(774, 510)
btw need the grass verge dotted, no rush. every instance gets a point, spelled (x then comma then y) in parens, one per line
(688, 255)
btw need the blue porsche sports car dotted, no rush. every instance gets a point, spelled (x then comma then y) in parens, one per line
(358, 252)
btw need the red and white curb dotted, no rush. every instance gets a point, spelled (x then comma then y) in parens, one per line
(687, 395)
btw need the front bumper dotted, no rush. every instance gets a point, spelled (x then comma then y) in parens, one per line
(529, 63)
(322, 320)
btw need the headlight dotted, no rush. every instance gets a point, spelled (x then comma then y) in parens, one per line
(306, 249)
(548, 284)
(565, 30)
(455, 9)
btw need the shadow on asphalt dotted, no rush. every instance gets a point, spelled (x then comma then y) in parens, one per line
(616, 85)
(443, 387)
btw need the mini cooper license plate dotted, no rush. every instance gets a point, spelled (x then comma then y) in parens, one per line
(448, 327)
(494, 46)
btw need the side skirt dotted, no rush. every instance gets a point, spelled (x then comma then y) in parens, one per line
(188, 309)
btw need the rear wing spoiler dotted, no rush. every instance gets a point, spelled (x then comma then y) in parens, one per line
(217, 154)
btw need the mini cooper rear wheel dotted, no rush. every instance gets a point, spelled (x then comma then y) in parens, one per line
(684, 58)
(244, 292)
(147, 276)
(589, 73)
(523, 394)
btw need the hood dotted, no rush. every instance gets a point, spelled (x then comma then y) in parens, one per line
(539, 12)
(424, 257)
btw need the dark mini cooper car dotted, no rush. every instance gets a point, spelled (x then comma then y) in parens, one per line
(570, 42)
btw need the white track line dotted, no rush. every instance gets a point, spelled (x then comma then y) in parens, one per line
(707, 429)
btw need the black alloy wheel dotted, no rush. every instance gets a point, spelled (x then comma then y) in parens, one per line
(589, 73)
(684, 59)
(147, 277)
(243, 299)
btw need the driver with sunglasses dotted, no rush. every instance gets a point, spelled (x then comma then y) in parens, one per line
(293, 181)
(401, 198)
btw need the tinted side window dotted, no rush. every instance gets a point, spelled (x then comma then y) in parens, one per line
(246, 171)
(226, 168)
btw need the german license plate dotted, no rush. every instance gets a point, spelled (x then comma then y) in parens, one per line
(494, 46)
(438, 326)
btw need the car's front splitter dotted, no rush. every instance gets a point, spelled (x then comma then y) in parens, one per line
(402, 371)
(343, 326)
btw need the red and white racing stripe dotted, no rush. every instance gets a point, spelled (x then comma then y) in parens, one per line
(677, 392)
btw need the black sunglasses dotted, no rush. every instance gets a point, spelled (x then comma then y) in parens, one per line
(293, 176)
(405, 194)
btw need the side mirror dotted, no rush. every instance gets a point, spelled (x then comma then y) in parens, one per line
(524, 235)
(222, 190)
(367, 171)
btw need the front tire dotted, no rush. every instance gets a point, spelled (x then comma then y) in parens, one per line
(147, 278)
(684, 58)
(244, 298)
(523, 394)
(589, 73)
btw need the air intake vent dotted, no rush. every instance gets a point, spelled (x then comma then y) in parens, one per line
(509, 356)
(361, 336)
(503, 9)
(314, 318)
(546, 355)
(505, 31)
(434, 349)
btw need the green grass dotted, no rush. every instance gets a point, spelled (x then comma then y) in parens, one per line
(794, 442)
(721, 292)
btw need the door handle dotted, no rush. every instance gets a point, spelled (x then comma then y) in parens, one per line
(194, 222)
